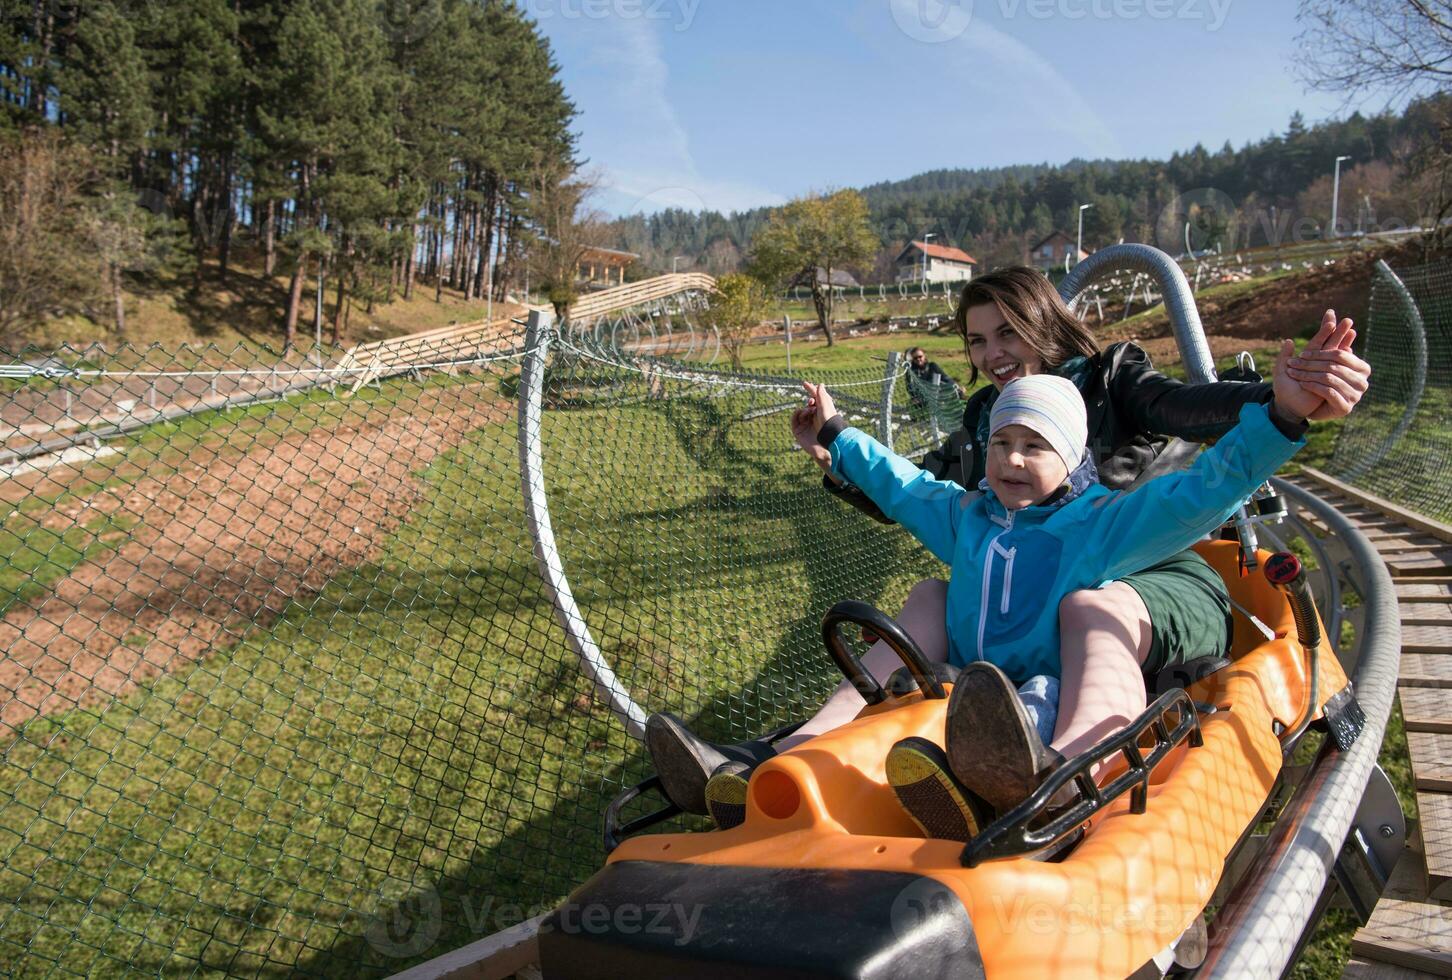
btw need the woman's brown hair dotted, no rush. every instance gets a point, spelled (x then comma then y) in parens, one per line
(1032, 307)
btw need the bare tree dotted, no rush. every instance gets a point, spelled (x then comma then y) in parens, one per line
(1404, 46)
(566, 228)
(43, 211)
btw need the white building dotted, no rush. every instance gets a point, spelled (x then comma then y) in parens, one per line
(935, 263)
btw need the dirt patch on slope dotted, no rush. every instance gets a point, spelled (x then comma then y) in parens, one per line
(220, 548)
(1285, 307)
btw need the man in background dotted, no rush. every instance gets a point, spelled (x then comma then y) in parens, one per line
(927, 377)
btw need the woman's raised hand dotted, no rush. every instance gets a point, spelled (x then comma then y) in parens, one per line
(1326, 380)
(808, 420)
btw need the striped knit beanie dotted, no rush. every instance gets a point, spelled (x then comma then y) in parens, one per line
(1052, 407)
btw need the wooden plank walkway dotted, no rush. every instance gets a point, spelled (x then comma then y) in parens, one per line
(1409, 934)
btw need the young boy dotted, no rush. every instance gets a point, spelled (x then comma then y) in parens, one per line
(1039, 527)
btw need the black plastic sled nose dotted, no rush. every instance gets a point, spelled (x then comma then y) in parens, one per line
(653, 919)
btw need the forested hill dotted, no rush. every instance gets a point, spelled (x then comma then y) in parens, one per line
(1277, 187)
(959, 180)
(374, 142)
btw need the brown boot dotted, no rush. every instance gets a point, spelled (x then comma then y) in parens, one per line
(685, 761)
(993, 747)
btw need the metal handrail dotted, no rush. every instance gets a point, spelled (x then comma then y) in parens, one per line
(1260, 926)
(1179, 298)
(541, 530)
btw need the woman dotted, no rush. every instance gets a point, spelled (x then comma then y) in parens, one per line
(1014, 324)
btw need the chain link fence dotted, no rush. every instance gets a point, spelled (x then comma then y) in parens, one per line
(1398, 442)
(283, 687)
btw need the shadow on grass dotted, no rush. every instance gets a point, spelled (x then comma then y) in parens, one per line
(417, 739)
(557, 845)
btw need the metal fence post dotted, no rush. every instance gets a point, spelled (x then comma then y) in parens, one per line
(541, 530)
(937, 403)
(889, 382)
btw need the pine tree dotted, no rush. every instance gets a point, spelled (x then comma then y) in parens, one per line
(104, 91)
(380, 140)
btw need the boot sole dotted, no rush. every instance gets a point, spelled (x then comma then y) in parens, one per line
(682, 769)
(726, 798)
(918, 772)
(993, 747)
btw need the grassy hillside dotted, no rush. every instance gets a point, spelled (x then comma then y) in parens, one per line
(247, 308)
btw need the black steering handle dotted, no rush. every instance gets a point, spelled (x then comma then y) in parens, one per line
(887, 630)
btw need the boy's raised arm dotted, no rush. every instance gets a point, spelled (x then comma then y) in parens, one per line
(925, 506)
(1168, 514)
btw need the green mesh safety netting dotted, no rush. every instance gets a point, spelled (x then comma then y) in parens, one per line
(283, 690)
(1398, 442)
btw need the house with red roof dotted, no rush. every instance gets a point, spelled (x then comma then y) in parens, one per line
(934, 262)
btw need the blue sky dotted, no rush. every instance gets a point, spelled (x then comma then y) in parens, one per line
(730, 104)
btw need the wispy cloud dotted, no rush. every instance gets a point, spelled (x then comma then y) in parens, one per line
(636, 139)
(1000, 71)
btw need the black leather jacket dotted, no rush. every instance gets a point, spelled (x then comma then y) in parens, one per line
(1132, 409)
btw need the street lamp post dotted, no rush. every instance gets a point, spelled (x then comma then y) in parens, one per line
(1336, 195)
(1079, 244)
(675, 260)
(489, 285)
(925, 256)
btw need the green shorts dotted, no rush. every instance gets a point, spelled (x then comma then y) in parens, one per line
(1189, 611)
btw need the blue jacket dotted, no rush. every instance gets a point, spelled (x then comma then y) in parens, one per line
(1010, 569)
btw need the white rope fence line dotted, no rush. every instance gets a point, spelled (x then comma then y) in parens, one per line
(707, 379)
(24, 372)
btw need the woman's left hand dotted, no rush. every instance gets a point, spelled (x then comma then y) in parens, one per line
(1326, 380)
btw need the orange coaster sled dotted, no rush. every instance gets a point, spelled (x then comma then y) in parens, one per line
(828, 875)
